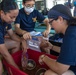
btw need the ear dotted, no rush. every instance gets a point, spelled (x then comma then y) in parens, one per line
(60, 18)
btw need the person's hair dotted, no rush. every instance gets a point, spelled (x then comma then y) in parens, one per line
(24, 1)
(7, 5)
(62, 10)
(72, 21)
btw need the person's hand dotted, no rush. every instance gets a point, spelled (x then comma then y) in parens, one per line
(46, 33)
(27, 36)
(45, 46)
(41, 59)
(24, 45)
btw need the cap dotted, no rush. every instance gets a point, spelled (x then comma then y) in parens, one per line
(60, 10)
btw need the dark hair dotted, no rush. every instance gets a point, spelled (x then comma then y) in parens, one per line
(7, 5)
(64, 11)
(24, 1)
(72, 21)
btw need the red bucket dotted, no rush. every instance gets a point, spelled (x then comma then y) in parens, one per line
(17, 58)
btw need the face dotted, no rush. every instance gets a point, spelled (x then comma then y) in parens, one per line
(29, 4)
(56, 24)
(9, 17)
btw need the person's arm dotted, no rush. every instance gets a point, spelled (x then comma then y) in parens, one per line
(18, 30)
(13, 36)
(54, 65)
(1, 67)
(17, 38)
(56, 48)
(46, 45)
(41, 18)
(48, 27)
(6, 55)
(26, 35)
